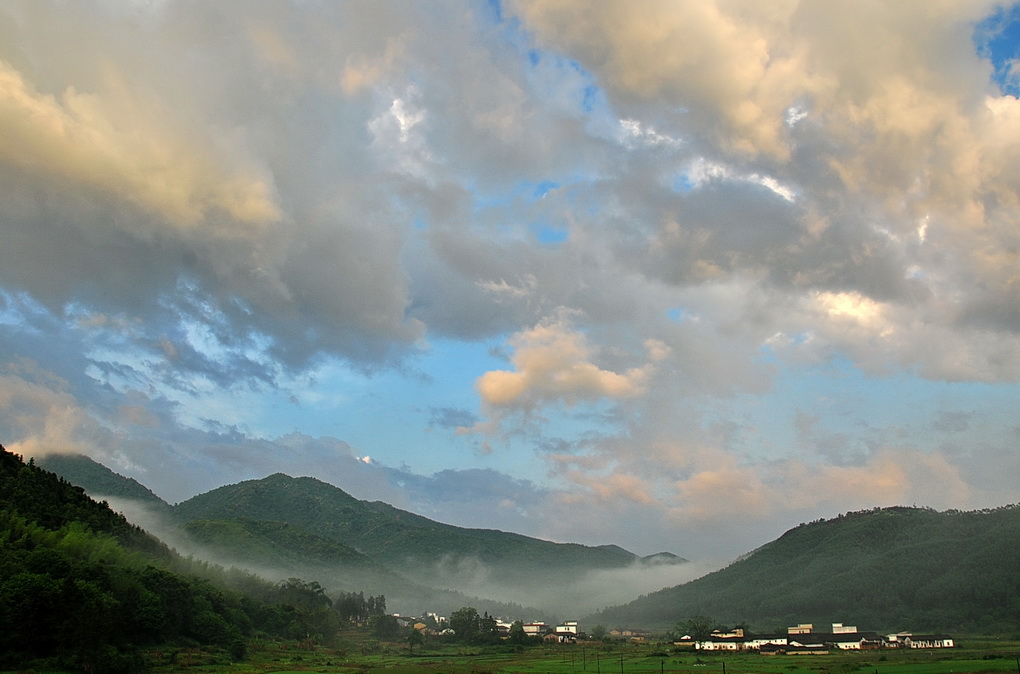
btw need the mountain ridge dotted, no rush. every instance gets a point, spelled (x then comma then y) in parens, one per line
(98, 480)
(380, 530)
(491, 569)
(888, 568)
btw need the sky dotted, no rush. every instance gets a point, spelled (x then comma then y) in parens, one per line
(668, 275)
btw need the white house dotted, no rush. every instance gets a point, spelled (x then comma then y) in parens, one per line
(929, 641)
(717, 642)
(535, 629)
(756, 643)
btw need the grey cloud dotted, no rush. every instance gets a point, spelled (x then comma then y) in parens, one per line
(324, 278)
(451, 418)
(952, 422)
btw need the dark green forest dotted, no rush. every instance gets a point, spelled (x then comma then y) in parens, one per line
(885, 569)
(98, 479)
(81, 588)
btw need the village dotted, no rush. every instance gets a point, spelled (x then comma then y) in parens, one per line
(433, 624)
(804, 639)
(800, 639)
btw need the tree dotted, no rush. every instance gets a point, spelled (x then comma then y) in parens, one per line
(465, 622)
(305, 597)
(414, 638)
(354, 607)
(517, 633)
(598, 632)
(311, 608)
(386, 627)
(487, 624)
(698, 628)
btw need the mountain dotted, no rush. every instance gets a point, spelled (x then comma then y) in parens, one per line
(47, 500)
(82, 589)
(397, 538)
(883, 569)
(279, 550)
(98, 480)
(662, 558)
(276, 544)
(283, 527)
(508, 568)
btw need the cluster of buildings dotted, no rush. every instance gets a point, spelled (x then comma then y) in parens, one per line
(435, 625)
(564, 633)
(805, 639)
(800, 639)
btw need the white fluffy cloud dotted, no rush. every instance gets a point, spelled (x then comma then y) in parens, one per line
(553, 362)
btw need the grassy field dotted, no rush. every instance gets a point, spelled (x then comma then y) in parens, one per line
(363, 656)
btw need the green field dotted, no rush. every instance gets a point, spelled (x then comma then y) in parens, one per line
(362, 656)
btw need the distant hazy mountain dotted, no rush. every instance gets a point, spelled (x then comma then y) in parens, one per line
(884, 569)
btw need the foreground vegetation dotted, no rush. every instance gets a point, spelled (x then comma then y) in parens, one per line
(83, 589)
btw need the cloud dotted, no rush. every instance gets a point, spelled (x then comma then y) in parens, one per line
(708, 496)
(687, 229)
(952, 422)
(449, 417)
(695, 54)
(42, 416)
(899, 128)
(738, 70)
(554, 364)
(76, 137)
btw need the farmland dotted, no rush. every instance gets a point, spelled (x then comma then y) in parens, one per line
(358, 655)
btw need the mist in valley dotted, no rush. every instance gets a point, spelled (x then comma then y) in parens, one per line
(567, 595)
(451, 582)
(406, 594)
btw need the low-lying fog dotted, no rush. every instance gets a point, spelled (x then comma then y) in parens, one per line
(578, 595)
(562, 595)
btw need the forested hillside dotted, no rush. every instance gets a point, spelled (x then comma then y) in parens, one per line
(280, 549)
(82, 589)
(883, 569)
(397, 538)
(100, 481)
(429, 565)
